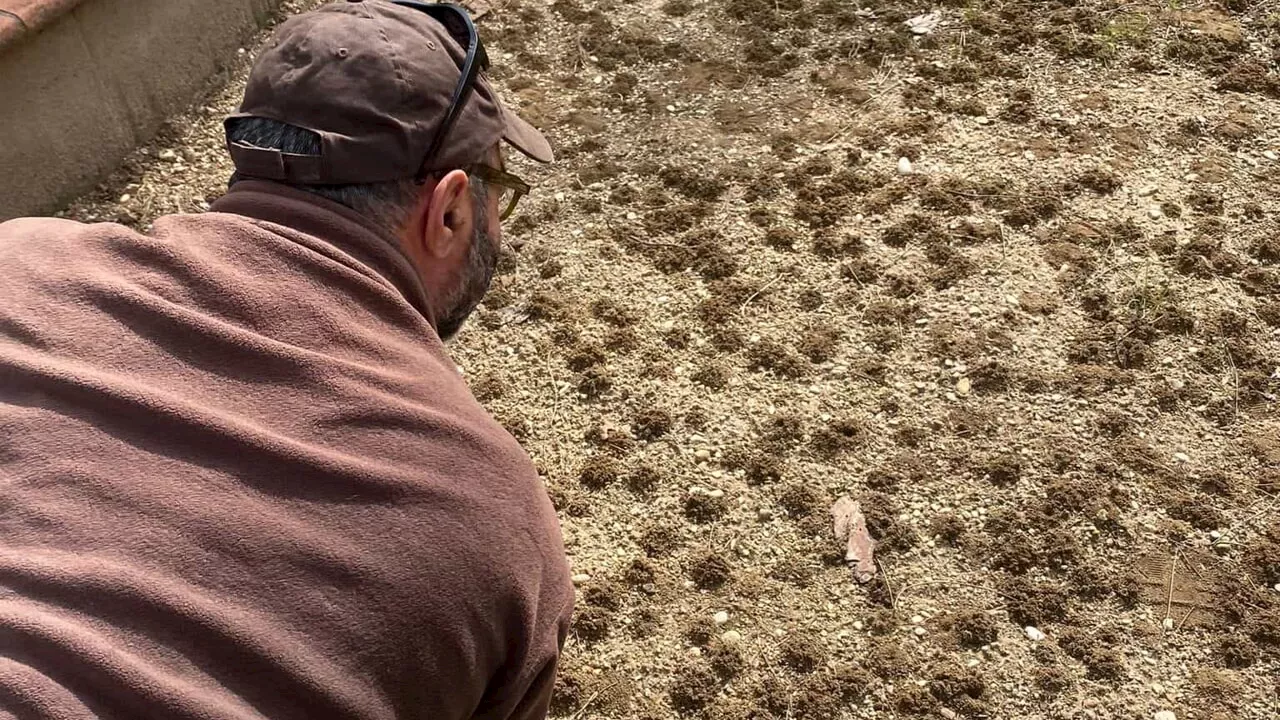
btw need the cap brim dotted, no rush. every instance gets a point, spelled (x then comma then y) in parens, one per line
(526, 138)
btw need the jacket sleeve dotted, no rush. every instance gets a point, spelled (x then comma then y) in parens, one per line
(523, 692)
(535, 702)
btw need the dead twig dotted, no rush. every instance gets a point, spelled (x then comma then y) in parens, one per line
(583, 710)
(1173, 571)
(756, 294)
(893, 600)
(1184, 619)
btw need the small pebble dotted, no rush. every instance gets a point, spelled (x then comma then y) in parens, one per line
(1167, 623)
(918, 631)
(702, 454)
(1034, 634)
(765, 514)
(1182, 457)
(1271, 155)
(1155, 212)
(717, 493)
(580, 578)
(1147, 191)
(1166, 715)
(947, 713)
(126, 198)
(904, 166)
(731, 637)
(963, 386)
(721, 617)
(1157, 688)
(857, 624)
(916, 619)
(1214, 535)
(973, 662)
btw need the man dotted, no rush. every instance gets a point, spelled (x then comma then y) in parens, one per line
(239, 475)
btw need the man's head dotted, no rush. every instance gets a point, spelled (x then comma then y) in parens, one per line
(370, 104)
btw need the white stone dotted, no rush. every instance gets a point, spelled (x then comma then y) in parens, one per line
(924, 24)
(1182, 457)
(857, 625)
(947, 713)
(731, 637)
(1271, 155)
(918, 631)
(1166, 715)
(1157, 688)
(581, 578)
(1155, 212)
(904, 166)
(916, 619)
(963, 386)
(1167, 623)
(721, 617)
(1033, 633)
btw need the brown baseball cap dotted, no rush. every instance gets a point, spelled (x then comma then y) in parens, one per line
(374, 80)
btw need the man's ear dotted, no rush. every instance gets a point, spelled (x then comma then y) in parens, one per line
(447, 221)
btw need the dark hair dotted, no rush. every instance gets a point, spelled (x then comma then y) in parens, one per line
(387, 204)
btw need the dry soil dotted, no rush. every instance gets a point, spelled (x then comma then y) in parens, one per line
(1011, 284)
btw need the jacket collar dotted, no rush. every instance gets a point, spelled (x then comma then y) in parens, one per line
(335, 224)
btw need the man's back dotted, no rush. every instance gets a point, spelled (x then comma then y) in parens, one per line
(240, 477)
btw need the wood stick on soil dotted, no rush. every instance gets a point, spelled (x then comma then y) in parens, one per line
(1173, 570)
(893, 600)
(756, 294)
(582, 710)
(1184, 618)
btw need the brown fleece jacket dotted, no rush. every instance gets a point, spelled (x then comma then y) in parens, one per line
(241, 478)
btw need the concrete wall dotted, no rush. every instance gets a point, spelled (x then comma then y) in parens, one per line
(81, 92)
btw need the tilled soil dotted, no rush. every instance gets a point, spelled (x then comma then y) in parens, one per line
(1011, 284)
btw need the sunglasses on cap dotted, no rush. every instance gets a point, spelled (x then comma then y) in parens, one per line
(457, 22)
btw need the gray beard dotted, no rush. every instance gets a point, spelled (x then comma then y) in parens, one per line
(482, 259)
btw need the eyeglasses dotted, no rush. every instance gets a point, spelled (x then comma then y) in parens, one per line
(509, 187)
(457, 22)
